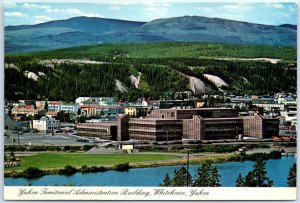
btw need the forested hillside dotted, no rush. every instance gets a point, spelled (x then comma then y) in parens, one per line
(163, 67)
(169, 50)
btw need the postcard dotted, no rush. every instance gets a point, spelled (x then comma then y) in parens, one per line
(154, 100)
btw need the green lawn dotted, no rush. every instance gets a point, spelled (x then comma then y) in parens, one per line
(60, 160)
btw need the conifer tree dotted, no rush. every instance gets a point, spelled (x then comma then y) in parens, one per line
(240, 181)
(207, 176)
(167, 181)
(180, 177)
(255, 178)
(292, 178)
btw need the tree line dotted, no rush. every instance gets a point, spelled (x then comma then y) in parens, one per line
(167, 50)
(207, 175)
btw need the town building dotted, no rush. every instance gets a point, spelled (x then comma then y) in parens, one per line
(215, 123)
(97, 100)
(103, 111)
(200, 128)
(189, 113)
(79, 100)
(54, 106)
(25, 111)
(102, 130)
(166, 104)
(45, 124)
(122, 122)
(52, 114)
(152, 129)
(153, 103)
(136, 111)
(40, 104)
(198, 103)
(178, 124)
(260, 127)
(71, 108)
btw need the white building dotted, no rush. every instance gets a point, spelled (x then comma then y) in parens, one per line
(54, 106)
(79, 100)
(46, 124)
(71, 108)
(100, 100)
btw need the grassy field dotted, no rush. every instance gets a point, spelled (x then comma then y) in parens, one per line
(60, 160)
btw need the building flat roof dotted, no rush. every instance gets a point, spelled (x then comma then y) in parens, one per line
(99, 124)
(231, 118)
(199, 109)
(152, 119)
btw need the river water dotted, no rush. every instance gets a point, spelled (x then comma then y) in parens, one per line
(277, 169)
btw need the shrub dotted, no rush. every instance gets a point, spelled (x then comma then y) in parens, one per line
(175, 148)
(68, 170)
(14, 148)
(84, 169)
(32, 172)
(214, 148)
(122, 167)
(93, 169)
(44, 148)
(72, 148)
(275, 154)
(87, 147)
(287, 144)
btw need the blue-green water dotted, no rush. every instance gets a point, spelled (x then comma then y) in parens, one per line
(277, 170)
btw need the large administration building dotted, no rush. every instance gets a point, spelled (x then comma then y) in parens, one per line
(178, 124)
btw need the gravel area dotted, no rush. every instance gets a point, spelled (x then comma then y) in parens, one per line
(104, 150)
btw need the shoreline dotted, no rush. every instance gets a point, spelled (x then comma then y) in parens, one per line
(221, 158)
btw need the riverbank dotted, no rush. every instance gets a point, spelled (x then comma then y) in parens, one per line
(52, 160)
(169, 161)
(277, 170)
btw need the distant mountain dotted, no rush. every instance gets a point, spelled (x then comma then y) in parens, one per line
(86, 24)
(90, 30)
(294, 27)
(195, 28)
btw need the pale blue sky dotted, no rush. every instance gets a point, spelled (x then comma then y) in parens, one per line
(264, 13)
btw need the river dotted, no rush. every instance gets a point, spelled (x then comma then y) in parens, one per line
(277, 169)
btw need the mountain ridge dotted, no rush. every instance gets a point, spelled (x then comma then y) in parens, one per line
(70, 20)
(93, 30)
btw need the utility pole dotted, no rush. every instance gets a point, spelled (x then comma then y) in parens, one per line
(19, 138)
(237, 133)
(167, 137)
(187, 167)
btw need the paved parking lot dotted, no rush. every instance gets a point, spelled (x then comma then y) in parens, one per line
(60, 139)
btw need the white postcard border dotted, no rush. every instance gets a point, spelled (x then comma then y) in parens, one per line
(147, 193)
(221, 193)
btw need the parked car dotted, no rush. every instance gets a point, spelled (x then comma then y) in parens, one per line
(82, 140)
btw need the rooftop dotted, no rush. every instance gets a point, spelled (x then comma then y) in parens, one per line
(99, 124)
